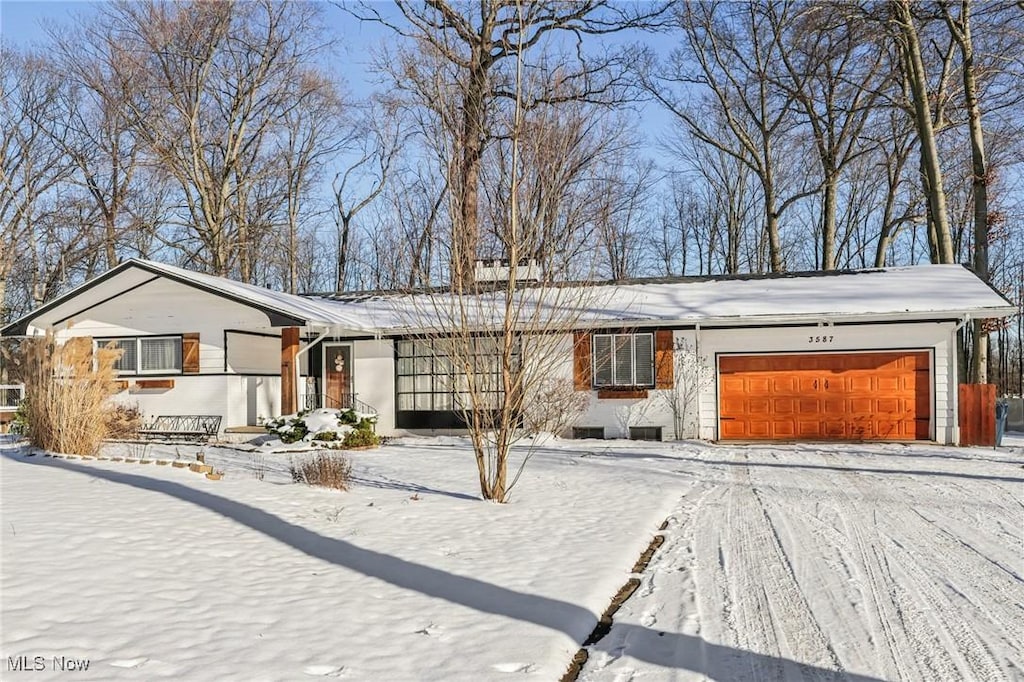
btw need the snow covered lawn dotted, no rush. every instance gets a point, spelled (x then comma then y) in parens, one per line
(789, 562)
(886, 562)
(152, 572)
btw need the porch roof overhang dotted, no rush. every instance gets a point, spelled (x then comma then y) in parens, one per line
(281, 309)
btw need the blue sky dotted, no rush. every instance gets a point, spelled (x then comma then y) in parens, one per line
(22, 21)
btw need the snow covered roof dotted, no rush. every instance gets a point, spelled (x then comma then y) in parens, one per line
(913, 292)
(900, 293)
(281, 309)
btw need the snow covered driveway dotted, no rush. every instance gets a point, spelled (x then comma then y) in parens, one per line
(885, 562)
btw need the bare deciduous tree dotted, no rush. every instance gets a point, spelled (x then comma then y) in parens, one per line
(462, 53)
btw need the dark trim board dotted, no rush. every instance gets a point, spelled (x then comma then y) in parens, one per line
(249, 333)
(423, 419)
(106, 300)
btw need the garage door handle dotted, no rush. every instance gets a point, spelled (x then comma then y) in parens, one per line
(815, 384)
(826, 383)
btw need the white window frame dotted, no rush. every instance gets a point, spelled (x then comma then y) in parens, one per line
(615, 382)
(102, 341)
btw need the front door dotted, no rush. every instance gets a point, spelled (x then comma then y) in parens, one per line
(337, 376)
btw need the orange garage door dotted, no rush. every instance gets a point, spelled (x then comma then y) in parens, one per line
(825, 396)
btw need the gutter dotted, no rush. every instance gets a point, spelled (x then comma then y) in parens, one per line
(954, 378)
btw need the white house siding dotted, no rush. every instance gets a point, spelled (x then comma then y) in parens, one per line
(373, 379)
(192, 394)
(616, 415)
(251, 354)
(931, 336)
(252, 400)
(167, 307)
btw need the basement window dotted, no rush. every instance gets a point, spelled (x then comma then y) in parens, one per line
(645, 433)
(595, 432)
(146, 354)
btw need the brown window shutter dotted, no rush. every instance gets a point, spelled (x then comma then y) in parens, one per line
(663, 362)
(581, 365)
(190, 353)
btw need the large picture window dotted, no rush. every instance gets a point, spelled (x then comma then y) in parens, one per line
(428, 381)
(623, 360)
(146, 354)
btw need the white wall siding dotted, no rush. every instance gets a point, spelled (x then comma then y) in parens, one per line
(932, 336)
(251, 354)
(373, 379)
(192, 394)
(166, 307)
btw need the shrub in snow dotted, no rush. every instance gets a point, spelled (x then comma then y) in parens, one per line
(66, 390)
(319, 425)
(123, 422)
(360, 437)
(330, 470)
(288, 428)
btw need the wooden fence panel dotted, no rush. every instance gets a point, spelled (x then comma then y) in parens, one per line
(977, 414)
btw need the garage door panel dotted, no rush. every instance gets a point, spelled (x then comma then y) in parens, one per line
(885, 395)
(784, 405)
(858, 383)
(809, 429)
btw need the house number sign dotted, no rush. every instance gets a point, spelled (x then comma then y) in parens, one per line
(820, 339)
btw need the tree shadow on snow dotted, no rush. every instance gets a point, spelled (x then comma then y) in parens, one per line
(673, 650)
(387, 483)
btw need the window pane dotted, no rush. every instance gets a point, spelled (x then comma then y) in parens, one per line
(623, 360)
(405, 402)
(405, 349)
(159, 355)
(421, 401)
(602, 360)
(442, 401)
(644, 353)
(405, 366)
(422, 365)
(423, 383)
(423, 348)
(405, 384)
(128, 362)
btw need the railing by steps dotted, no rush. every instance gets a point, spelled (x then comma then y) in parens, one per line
(316, 401)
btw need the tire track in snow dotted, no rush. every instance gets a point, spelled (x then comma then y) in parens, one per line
(778, 620)
(932, 612)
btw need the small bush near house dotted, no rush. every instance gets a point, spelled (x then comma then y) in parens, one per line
(123, 422)
(360, 438)
(288, 429)
(349, 417)
(326, 436)
(330, 470)
(66, 392)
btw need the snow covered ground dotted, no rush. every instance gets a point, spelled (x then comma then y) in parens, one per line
(887, 562)
(152, 572)
(881, 561)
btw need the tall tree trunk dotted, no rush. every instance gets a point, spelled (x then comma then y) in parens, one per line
(913, 65)
(961, 31)
(467, 229)
(828, 227)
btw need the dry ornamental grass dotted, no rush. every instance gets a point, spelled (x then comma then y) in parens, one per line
(331, 470)
(66, 390)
